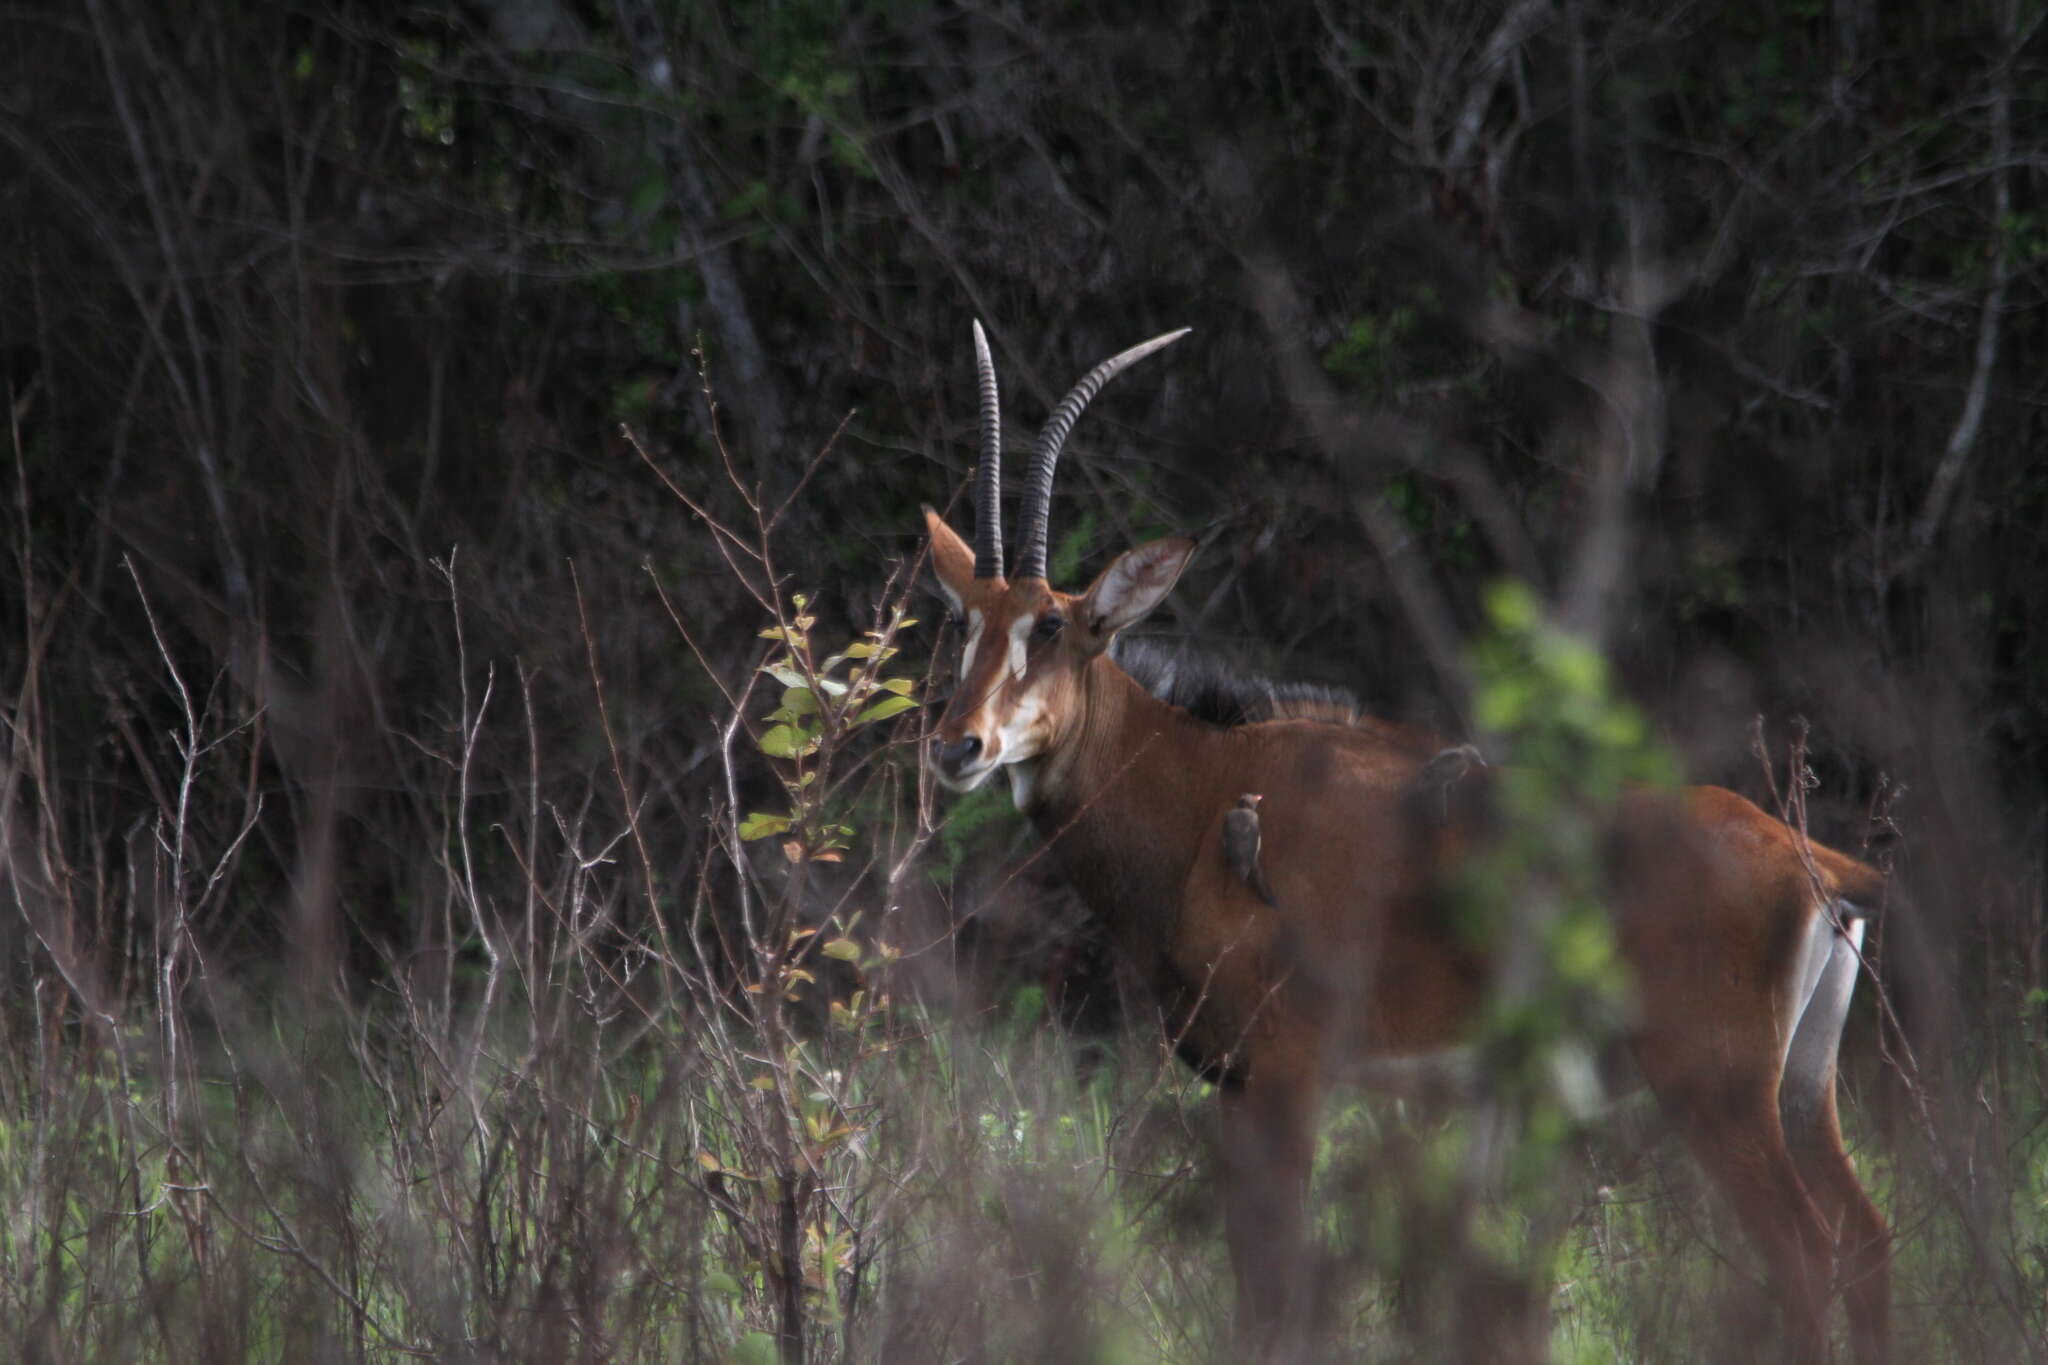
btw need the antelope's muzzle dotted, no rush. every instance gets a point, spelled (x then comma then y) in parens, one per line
(953, 757)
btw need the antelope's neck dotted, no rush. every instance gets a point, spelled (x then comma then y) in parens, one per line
(1124, 801)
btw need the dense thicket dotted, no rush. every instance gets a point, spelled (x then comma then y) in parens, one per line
(298, 298)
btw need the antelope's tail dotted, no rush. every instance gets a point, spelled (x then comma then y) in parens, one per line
(1856, 883)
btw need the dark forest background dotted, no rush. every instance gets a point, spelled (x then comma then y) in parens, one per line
(323, 327)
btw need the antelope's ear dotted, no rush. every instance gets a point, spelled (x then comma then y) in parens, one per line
(952, 559)
(1134, 583)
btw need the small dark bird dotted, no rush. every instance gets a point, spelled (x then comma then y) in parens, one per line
(1444, 770)
(1241, 846)
(1447, 767)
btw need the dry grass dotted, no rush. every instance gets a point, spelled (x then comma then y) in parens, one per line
(596, 1104)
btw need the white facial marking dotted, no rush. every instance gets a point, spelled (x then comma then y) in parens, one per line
(1020, 631)
(1015, 741)
(1017, 727)
(974, 625)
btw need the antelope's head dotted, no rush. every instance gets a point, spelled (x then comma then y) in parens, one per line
(1028, 645)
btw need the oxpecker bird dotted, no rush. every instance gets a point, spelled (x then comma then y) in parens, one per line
(1241, 846)
(1447, 767)
(1444, 770)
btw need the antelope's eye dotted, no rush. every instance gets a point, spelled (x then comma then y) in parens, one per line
(1049, 627)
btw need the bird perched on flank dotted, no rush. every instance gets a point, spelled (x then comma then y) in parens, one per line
(1429, 791)
(1241, 846)
(1448, 766)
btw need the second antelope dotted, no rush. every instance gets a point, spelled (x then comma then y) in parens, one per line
(1744, 941)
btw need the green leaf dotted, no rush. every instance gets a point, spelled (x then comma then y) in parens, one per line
(1576, 665)
(755, 1348)
(793, 638)
(1066, 556)
(885, 708)
(720, 1283)
(1621, 726)
(648, 196)
(902, 687)
(844, 949)
(1513, 605)
(1502, 705)
(761, 825)
(634, 401)
(787, 741)
(800, 701)
(752, 198)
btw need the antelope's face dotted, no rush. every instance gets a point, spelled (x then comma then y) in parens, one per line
(1028, 646)
(1027, 651)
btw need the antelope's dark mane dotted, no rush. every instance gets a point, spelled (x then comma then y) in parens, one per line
(1216, 691)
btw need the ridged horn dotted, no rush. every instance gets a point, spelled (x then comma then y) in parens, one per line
(988, 475)
(1046, 454)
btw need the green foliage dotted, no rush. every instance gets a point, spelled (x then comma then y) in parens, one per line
(429, 109)
(823, 702)
(1533, 899)
(1071, 548)
(969, 820)
(1366, 357)
(1571, 749)
(633, 401)
(2025, 234)
(1546, 694)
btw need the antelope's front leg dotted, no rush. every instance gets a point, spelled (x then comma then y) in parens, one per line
(1268, 1150)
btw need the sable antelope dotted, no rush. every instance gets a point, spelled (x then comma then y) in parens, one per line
(1744, 940)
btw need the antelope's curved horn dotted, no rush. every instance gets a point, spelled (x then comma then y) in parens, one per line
(1046, 454)
(988, 476)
